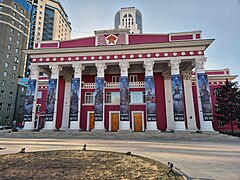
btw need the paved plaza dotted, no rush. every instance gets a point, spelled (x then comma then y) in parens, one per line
(199, 156)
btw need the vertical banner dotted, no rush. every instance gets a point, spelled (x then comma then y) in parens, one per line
(177, 94)
(204, 93)
(29, 99)
(150, 98)
(51, 97)
(124, 99)
(74, 99)
(98, 105)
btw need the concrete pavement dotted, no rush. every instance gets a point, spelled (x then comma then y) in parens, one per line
(197, 156)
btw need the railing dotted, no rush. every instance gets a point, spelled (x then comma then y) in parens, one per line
(139, 84)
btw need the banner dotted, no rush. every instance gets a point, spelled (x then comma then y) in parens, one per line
(98, 105)
(74, 99)
(204, 93)
(150, 98)
(29, 99)
(177, 94)
(124, 99)
(51, 97)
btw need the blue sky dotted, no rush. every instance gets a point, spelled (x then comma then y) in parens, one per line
(218, 19)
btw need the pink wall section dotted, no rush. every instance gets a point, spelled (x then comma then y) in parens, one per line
(144, 39)
(181, 37)
(84, 42)
(60, 103)
(49, 45)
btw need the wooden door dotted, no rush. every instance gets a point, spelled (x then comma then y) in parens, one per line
(91, 121)
(137, 122)
(115, 122)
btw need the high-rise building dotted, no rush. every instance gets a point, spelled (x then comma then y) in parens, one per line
(49, 21)
(14, 31)
(131, 18)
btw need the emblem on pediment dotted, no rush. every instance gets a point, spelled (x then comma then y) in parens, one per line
(111, 39)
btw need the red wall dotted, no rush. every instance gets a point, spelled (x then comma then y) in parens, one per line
(60, 103)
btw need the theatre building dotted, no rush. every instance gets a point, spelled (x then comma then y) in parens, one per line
(117, 81)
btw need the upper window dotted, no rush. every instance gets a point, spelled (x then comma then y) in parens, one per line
(22, 11)
(137, 97)
(115, 78)
(5, 73)
(6, 64)
(15, 6)
(9, 47)
(113, 97)
(14, 14)
(133, 78)
(39, 94)
(10, 38)
(89, 98)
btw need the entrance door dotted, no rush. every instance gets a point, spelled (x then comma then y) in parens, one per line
(91, 120)
(115, 122)
(137, 122)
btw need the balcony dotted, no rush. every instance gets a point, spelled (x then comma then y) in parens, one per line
(139, 84)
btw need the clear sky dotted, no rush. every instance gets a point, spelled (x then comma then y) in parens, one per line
(218, 19)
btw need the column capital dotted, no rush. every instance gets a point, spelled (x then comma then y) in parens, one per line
(101, 66)
(55, 69)
(166, 75)
(124, 65)
(148, 65)
(187, 75)
(174, 64)
(78, 68)
(199, 64)
(34, 70)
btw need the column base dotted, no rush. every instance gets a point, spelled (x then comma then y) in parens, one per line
(124, 126)
(99, 126)
(179, 126)
(152, 131)
(152, 126)
(28, 126)
(125, 131)
(74, 125)
(206, 126)
(98, 130)
(207, 132)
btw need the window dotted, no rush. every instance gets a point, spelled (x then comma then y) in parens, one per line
(9, 47)
(133, 78)
(115, 78)
(23, 89)
(11, 95)
(20, 26)
(7, 121)
(40, 17)
(11, 85)
(113, 97)
(8, 55)
(11, 30)
(10, 38)
(16, 59)
(14, 14)
(5, 73)
(2, 94)
(13, 22)
(41, 6)
(1, 106)
(17, 50)
(14, 76)
(22, 11)
(15, 6)
(19, 34)
(89, 98)
(40, 12)
(39, 94)
(21, 19)
(6, 64)
(39, 23)
(18, 42)
(215, 92)
(14, 67)
(3, 83)
(9, 107)
(39, 28)
(137, 97)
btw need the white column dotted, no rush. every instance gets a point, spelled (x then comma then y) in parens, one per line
(66, 106)
(199, 66)
(168, 100)
(174, 64)
(78, 68)
(190, 111)
(34, 75)
(55, 69)
(124, 125)
(148, 65)
(99, 125)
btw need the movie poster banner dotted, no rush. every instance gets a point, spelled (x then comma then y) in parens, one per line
(51, 97)
(29, 99)
(74, 99)
(177, 94)
(124, 99)
(204, 93)
(98, 105)
(150, 98)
